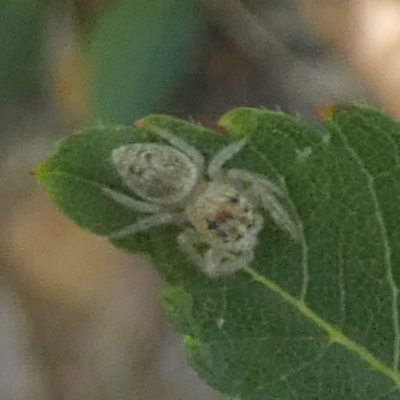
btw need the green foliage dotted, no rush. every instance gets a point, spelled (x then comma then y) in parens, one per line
(21, 32)
(139, 50)
(315, 320)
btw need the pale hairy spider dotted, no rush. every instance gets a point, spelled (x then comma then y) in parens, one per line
(219, 208)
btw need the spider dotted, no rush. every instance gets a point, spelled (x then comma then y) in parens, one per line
(219, 208)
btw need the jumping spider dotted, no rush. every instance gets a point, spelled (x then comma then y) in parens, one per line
(218, 207)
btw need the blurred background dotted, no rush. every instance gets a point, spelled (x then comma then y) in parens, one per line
(78, 319)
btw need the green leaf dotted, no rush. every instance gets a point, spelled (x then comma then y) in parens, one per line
(139, 50)
(318, 319)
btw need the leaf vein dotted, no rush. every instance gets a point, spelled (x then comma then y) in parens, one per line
(387, 251)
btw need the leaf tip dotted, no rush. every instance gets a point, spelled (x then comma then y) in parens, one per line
(39, 171)
(153, 121)
(327, 113)
(237, 121)
(324, 112)
(229, 119)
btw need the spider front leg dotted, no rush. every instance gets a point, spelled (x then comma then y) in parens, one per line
(190, 241)
(219, 261)
(266, 193)
(214, 169)
(215, 261)
(179, 143)
(146, 224)
(129, 202)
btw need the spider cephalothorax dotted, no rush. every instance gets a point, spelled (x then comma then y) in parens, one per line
(219, 208)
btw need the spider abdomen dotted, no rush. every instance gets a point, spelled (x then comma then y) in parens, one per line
(156, 173)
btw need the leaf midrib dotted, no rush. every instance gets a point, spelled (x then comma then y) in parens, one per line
(335, 334)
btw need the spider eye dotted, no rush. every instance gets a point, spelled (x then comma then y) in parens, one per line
(217, 227)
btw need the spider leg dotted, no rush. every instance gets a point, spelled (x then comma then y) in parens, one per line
(180, 144)
(218, 261)
(255, 178)
(258, 225)
(188, 241)
(265, 192)
(146, 224)
(224, 155)
(129, 202)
